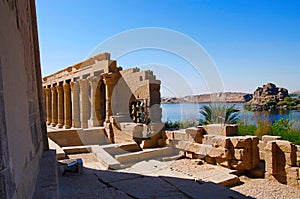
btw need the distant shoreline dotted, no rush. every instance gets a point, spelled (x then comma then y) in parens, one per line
(230, 97)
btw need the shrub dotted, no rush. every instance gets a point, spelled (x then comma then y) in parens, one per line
(271, 102)
(263, 128)
(245, 129)
(182, 124)
(283, 128)
(287, 99)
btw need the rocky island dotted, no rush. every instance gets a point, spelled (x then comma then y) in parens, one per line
(271, 98)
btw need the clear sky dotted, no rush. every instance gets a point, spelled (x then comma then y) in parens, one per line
(250, 41)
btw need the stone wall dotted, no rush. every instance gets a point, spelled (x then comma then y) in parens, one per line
(22, 128)
(217, 144)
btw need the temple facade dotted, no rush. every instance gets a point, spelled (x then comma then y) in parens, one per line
(90, 93)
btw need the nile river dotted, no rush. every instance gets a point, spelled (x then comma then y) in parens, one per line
(190, 111)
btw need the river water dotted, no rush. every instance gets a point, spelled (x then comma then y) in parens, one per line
(190, 111)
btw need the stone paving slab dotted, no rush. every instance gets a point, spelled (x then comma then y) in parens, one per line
(79, 184)
(115, 176)
(147, 179)
(106, 193)
(148, 187)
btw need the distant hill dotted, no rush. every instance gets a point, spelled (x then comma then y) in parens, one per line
(296, 92)
(230, 97)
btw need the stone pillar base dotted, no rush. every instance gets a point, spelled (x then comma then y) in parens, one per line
(84, 125)
(93, 123)
(67, 126)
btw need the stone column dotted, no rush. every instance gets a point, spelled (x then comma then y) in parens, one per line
(60, 106)
(75, 104)
(84, 102)
(67, 106)
(95, 84)
(48, 105)
(110, 80)
(54, 106)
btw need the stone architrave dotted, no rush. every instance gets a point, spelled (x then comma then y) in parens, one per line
(67, 106)
(60, 106)
(48, 105)
(110, 80)
(75, 105)
(95, 118)
(84, 102)
(54, 106)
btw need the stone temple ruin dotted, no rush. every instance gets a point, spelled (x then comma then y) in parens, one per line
(96, 108)
(97, 93)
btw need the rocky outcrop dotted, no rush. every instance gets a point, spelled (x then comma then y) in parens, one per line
(267, 97)
(269, 92)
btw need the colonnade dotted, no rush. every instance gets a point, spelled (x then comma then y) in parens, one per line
(81, 103)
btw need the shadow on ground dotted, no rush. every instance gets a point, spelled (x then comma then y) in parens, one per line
(118, 184)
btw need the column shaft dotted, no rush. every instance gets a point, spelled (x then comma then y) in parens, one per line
(110, 80)
(95, 119)
(60, 106)
(75, 105)
(54, 106)
(67, 106)
(84, 103)
(48, 106)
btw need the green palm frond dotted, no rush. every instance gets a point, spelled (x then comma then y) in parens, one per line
(219, 113)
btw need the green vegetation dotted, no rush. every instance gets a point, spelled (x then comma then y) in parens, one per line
(182, 124)
(282, 127)
(219, 113)
(291, 103)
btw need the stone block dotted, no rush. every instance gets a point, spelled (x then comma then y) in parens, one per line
(156, 135)
(195, 134)
(286, 146)
(243, 154)
(241, 142)
(221, 130)
(223, 162)
(217, 141)
(270, 147)
(220, 153)
(181, 135)
(290, 159)
(168, 135)
(148, 144)
(210, 160)
(298, 156)
(241, 165)
(261, 146)
(189, 155)
(199, 149)
(231, 130)
(161, 142)
(268, 138)
(292, 182)
(275, 177)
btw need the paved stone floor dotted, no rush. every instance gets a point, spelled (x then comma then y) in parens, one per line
(147, 179)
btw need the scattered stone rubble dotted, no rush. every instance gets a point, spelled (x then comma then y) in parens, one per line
(219, 145)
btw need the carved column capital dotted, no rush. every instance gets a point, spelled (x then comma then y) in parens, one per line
(74, 86)
(94, 80)
(110, 78)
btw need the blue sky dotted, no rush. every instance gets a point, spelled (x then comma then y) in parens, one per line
(250, 42)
